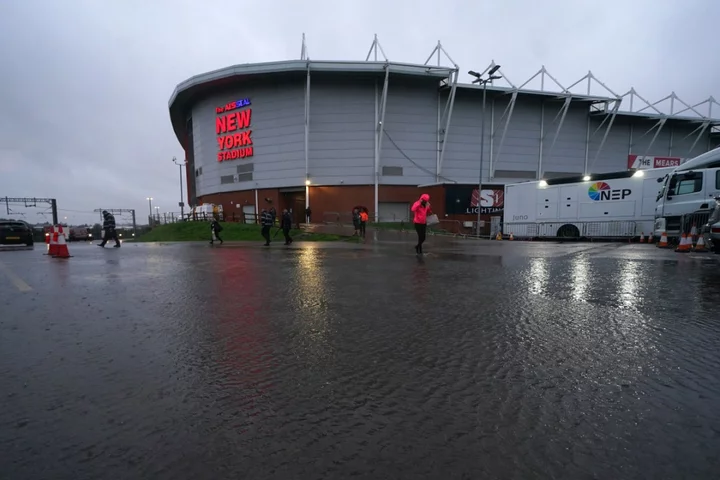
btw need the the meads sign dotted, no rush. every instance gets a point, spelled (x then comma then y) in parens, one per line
(644, 162)
(232, 127)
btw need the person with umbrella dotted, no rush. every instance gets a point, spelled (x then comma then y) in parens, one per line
(356, 220)
(360, 219)
(364, 217)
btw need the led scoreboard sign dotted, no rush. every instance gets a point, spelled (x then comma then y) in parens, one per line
(232, 127)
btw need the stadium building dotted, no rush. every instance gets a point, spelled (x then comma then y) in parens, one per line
(334, 134)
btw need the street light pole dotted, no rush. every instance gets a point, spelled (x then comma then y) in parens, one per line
(182, 201)
(149, 199)
(484, 82)
(482, 155)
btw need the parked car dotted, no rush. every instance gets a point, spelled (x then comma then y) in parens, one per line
(711, 230)
(80, 234)
(13, 232)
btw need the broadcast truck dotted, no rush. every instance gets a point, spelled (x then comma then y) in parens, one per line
(607, 205)
(688, 192)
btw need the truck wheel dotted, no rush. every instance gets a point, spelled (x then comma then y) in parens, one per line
(568, 231)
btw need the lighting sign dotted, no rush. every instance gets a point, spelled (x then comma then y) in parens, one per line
(232, 130)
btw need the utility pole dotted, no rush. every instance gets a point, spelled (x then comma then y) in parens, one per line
(150, 216)
(181, 204)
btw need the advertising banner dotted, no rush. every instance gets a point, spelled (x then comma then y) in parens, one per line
(641, 162)
(465, 200)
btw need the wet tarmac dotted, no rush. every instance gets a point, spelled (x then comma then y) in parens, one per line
(479, 360)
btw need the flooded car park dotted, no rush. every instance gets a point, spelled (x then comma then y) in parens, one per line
(477, 360)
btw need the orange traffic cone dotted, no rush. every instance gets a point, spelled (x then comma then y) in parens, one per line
(511, 237)
(62, 248)
(693, 233)
(650, 238)
(663, 243)
(700, 245)
(685, 244)
(642, 237)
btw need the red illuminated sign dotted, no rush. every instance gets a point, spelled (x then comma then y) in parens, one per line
(643, 162)
(233, 137)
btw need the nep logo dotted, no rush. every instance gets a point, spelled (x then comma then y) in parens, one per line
(601, 191)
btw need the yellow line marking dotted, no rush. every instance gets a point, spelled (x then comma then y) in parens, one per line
(15, 279)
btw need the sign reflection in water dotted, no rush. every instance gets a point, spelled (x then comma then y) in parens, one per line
(311, 298)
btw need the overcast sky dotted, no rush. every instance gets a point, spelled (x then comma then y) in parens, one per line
(84, 84)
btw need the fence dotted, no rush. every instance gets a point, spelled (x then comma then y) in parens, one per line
(610, 230)
(449, 227)
(332, 218)
(173, 217)
(693, 223)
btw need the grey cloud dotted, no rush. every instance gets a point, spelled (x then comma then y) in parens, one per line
(84, 84)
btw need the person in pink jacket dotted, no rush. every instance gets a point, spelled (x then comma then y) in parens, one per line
(421, 209)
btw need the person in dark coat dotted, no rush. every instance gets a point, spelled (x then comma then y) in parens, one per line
(266, 221)
(215, 229)
(109, 227)
(273, 214)
(356, 221)
(286, 224)
(308, 213)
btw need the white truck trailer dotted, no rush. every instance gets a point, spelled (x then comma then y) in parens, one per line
(608, 205)
(688, 192)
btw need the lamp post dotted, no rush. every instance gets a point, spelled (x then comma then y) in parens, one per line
(150, 199)
(483, 81)
(182, 201)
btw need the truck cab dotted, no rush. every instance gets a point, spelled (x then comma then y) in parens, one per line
(688, 189)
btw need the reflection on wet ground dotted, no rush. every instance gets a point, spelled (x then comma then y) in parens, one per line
(491, 360)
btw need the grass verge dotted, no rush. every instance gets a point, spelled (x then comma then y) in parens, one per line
(232, 232)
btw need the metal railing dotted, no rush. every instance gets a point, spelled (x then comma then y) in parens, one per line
(693, 223)
(448, 227)
(346, 218)
(576, 230)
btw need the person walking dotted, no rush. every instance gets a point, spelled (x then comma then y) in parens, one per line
(215, 229)
(356, 221)
(286, 224)
(273, 214)
(364, 217)
(266, 221)
(109, 227)
(421, 209)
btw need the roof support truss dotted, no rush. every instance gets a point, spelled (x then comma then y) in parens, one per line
(508, 111)
(379, 133)
(700, 131)
(374, 50)
(446, 117)
(304, 50)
